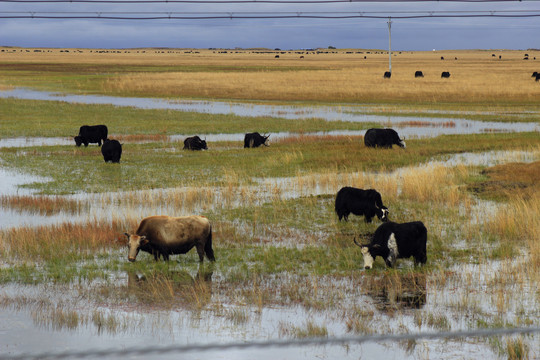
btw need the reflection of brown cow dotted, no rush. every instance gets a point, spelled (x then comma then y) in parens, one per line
(192, 292)
(165, 235)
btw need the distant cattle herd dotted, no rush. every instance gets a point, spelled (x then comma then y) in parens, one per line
(418, 74)
(446, 74)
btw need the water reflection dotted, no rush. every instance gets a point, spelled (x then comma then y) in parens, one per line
(398, 291)
(172, 288)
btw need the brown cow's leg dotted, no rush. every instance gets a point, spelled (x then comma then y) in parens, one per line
(200, 251)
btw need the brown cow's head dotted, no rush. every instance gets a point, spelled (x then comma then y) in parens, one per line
(134, 243)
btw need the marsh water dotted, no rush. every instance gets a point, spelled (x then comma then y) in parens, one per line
(409, 126)
(31, 323)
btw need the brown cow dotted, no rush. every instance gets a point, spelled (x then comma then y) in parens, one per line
(165, 235)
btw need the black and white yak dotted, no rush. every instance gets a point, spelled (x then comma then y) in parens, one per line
(393, 241)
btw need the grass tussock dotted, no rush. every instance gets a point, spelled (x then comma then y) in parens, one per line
(434, 184)
(309, 330)
(517, 223)
(57, 318)
(42, 205)
(67, 240)
(517, 349)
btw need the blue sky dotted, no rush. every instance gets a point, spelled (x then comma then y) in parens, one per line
(407, 34)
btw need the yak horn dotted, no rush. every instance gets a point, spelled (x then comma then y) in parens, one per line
(354, 239)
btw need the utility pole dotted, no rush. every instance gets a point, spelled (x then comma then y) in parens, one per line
(389, 44)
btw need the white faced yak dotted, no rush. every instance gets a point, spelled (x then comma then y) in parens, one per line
(360, 202)
(165, 235)
(393, 241)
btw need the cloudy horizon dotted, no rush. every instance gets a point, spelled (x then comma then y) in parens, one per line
(293, 33)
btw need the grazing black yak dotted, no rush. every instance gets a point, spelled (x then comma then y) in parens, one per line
(111, 150)
(393, 241)
(360, 202)
(383, 138)
(91, 134)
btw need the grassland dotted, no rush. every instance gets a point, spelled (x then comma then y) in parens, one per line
(277, 240)
(53, 119)
(477, 77)
(166, 165)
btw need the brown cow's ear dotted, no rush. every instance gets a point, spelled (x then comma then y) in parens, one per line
(144, 240)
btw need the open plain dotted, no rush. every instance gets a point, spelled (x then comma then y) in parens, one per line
(285, 268)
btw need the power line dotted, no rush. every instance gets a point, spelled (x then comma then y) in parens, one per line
(160, 350)
(112, 15)
(249, 1)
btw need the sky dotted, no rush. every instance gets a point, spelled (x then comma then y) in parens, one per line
(295, 33)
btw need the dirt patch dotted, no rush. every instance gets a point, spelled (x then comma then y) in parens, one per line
(516, 179)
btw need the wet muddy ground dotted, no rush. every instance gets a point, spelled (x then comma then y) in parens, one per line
(113, 311)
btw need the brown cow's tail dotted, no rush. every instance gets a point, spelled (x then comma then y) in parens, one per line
(208, 246)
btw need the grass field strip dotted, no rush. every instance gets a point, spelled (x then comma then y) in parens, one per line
(328, 113)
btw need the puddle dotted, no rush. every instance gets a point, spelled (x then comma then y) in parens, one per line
(11, 181)
(34, 141)
(174, 329)
(410, 127)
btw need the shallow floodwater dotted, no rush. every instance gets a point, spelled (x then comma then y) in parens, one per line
(410, 127)
(175, 328)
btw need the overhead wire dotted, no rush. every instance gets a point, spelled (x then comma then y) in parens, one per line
(148, 15)
(250, 1)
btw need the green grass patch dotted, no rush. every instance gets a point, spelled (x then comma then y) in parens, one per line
(30, 118)
(163, 165)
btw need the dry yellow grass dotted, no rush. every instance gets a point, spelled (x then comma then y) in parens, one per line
(436, 183)
(43, 205)
(476, 76)
(513, 180)
(519, 222)
(472, 80)
(50, 242)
